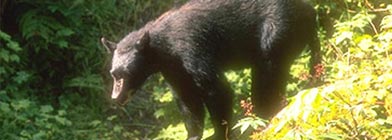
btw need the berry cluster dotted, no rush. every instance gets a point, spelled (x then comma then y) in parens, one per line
(304, 76)
(248, 107)
(319, 70)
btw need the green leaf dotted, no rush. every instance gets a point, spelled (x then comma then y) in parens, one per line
(95, 123)
(21, 104)
(167, 97)
(92, 81)
(247, 122)
(343, 36)
(14, 46)
(21, 77)
(386, 22)
(117, 128)
(53, 8)
(258, 122)
(159, 113)
(39, 136)
(65, 32)
(244, 126)
(331, 136)
(62, 43)
(2, 70)
(61, 112)
(62, 120)
(46, 109)
(5, 36)
(14, 58)
(4, 107)
(4, 55)
(111, 118)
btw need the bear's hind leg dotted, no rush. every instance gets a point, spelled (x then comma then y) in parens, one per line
(219, 105)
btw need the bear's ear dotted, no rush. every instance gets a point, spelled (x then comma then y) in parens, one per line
(143, 42)
(109, 45)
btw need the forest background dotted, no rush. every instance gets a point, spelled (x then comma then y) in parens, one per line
(54, 81)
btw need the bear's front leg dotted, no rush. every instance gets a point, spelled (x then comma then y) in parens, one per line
(192, 109)
(188, 99)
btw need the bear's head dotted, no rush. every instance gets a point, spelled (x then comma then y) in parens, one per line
(130, 67)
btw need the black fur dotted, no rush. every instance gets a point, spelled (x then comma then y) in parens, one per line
(194, 44)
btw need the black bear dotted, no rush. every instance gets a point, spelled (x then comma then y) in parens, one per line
(194, 44)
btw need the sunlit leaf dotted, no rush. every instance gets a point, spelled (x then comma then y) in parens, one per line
(111, 118)
(4, 107)
(95, 123)
(46, 109)
(343, 36)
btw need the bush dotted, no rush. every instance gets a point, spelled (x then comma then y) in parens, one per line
(51, 84)
(355, 101)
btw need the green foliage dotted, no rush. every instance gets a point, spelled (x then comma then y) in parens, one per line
(9, 57)
(51, 83)
(23, 119)
(172, 133)
(240, 81)
(252, 121)
(355, 102)
(9, 50)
